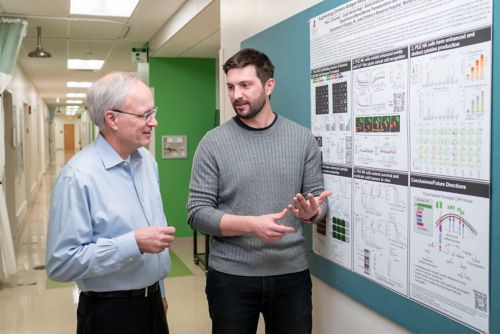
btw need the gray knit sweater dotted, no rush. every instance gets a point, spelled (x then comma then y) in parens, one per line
(244, 172)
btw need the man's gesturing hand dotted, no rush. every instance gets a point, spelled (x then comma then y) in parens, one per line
(154, 239)
(266, 229)
(309, 206)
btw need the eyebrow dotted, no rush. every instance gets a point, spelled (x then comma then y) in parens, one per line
(245, 82)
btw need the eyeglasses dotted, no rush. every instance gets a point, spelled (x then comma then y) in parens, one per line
(147, 116)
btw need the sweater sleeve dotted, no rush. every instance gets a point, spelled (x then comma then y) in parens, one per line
(203, 214)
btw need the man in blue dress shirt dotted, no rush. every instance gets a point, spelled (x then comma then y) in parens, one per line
(107, 229)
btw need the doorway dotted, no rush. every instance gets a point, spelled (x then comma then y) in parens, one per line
(69, 137)
(10, 160)
(69, 141)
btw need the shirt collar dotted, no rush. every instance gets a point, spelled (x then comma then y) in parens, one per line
(244, 126)
(110, 158)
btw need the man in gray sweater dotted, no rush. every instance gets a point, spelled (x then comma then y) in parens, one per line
(247, 184)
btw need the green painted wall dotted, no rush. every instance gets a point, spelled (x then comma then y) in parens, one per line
(184, 91)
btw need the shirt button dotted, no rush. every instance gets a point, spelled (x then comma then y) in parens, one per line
(131, 259)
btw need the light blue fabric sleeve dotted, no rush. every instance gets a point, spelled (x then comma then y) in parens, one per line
(71, 251)
(98, 202)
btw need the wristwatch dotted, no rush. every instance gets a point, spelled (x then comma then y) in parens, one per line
(313, 218)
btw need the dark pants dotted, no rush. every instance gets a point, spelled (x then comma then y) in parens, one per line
(235, 303)
(134, 315)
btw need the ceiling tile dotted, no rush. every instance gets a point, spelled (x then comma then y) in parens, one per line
(85, 37)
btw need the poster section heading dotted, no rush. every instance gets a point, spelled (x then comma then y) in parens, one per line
(451, 42)
(380, 58)
(400, 179)
(331, 70)
(451, 185)
(344, 171)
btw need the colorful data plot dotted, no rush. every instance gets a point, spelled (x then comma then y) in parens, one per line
(476, 72)
(340, 229)
(476, 104)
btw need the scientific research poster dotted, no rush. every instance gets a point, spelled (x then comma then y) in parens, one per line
(450, 94)
(449, 264)
(401, 109)
(332, 240)
(380, 227)
(332, 121)
(379, 108)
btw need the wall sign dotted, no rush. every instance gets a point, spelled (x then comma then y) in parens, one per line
(174, 147)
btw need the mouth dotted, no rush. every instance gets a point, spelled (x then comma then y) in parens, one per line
(240, 105)
(239, 102)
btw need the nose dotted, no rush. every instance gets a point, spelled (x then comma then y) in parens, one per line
(237, 93)
(152, 122)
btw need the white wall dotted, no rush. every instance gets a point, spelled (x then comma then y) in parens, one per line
(43, 136)
(29, 165)
(241, 19)
(333, 312)
(85, 129)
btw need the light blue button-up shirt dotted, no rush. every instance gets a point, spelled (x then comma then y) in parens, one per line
(98, 201)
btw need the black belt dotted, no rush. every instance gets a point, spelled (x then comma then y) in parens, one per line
(144, 292)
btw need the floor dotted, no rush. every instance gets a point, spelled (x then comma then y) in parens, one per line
(31, 304)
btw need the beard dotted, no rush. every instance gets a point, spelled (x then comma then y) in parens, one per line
(254, 107)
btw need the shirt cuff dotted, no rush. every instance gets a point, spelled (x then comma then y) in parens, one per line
(128, 247)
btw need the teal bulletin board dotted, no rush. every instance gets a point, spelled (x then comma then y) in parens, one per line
(287, 45)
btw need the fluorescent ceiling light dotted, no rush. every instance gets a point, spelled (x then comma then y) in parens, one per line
(78, 84)
(75, 95)
(72, 107)
(74, 101)
(122, 8)
(80, 64)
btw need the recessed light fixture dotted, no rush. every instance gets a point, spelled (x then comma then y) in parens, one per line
(121, 8)
(81, 64)
(72, 110)
(74, 101)
(78, 84)
(80, 95)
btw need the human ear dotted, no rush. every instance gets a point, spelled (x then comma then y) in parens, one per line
(269, 86)
(110, 119)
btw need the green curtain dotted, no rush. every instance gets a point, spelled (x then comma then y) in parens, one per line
(12, 31)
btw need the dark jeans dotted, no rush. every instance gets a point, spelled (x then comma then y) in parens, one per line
(235, 303)
(133, 315)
